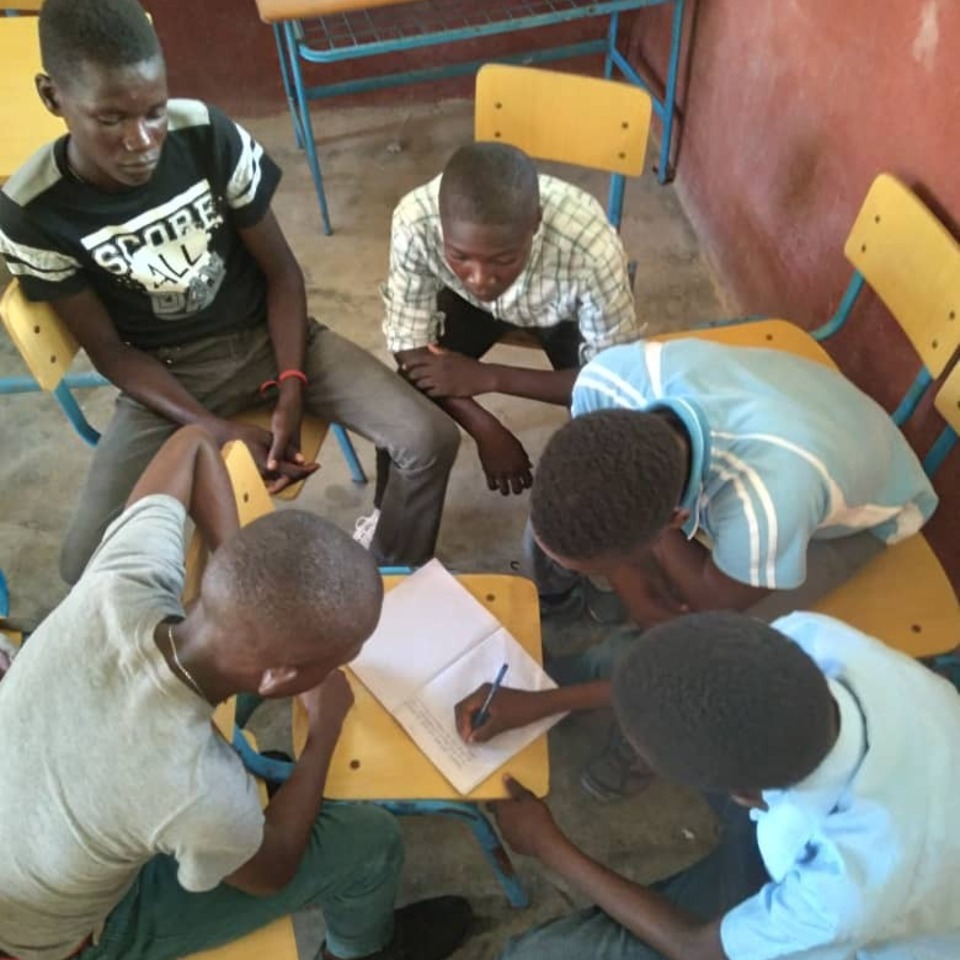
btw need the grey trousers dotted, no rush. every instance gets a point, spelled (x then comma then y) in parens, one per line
(347, 386)
(830, 563)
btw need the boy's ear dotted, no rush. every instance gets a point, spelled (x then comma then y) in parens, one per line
(276, 681)
(679, 517)
(48, 93)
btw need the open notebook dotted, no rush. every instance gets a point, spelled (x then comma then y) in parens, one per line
(434, 644)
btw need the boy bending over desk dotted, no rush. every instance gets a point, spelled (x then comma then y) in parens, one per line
(834, 764)
(488, 248)
(789, 477)
(129, 827)
(149, 227)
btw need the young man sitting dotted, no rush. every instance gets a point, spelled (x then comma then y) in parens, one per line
(129, 827)
(839, 837)
(488, 248)
(793, 477)
(150, 229)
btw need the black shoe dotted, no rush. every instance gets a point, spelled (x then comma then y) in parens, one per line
(425, 930)
(430, 929)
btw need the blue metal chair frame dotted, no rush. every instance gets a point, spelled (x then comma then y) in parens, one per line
(278, 771)
(908, 403)
(68, 403)
(367, 33)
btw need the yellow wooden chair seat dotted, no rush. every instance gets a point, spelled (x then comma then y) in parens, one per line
(774, 334)
(273, 942)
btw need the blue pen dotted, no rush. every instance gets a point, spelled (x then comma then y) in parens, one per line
(483, 714)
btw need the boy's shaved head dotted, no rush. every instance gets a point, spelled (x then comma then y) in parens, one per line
(292, 578)
(723, 702)
(608, 482)
(109, 33)
(490, 184)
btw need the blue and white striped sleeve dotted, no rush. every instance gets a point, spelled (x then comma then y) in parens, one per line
(617, 378)
(249, 175)
(762, 524)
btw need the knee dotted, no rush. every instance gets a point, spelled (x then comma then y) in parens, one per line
(373, 837)
(431, 443)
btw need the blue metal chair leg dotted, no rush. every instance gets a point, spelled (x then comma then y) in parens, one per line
(305, 125)
(75, 415)
(611, 44)
(664, 170)
(285, 77)
(4, 596)
(357, 473)
(486, 836)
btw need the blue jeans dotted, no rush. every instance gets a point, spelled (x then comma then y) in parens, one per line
(708, 889)
(350, 870)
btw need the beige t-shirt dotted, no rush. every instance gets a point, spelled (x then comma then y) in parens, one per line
(106, 758)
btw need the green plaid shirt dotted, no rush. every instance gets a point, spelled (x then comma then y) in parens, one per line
(577, 271)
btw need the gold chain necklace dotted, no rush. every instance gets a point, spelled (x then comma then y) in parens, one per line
(186, 673)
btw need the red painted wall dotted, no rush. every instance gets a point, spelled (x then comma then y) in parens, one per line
(790, 110)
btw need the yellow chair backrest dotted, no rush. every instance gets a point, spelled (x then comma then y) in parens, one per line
(24, 6)
(601, 124)
(44, 342)
(947, 400)
(912, 262)
(24, 120)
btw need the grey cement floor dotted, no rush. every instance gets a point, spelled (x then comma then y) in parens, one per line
(371, 157)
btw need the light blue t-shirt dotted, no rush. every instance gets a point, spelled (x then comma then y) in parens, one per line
(783, 450)
(863, 855)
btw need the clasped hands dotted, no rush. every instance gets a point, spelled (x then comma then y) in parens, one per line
(276, 452)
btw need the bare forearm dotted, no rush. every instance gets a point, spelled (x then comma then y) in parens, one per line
(550, 386)
(290, 817)
(189, 467)
(149, 382)
(287, 320)
(571, 699)
(648, 915)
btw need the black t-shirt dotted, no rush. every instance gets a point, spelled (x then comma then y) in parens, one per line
(165, 258)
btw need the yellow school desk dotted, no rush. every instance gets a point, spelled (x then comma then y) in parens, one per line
(322, 32)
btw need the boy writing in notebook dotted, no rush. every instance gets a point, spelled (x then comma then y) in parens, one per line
(793, 477)
(838, 836)
(149, 226)
(129, 827)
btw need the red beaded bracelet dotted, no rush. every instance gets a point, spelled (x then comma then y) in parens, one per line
(286, 375)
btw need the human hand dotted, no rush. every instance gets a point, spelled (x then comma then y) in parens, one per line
(509, 709)
(444, 373)
(525, 821)
(260, 443)
(503, 459)
(328, 703)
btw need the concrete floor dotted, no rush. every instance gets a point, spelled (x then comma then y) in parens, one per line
(371, 157)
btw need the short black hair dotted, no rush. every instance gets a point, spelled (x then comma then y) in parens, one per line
(492, 184)
(110, 33)
(299, 573)
(724, 702)
(608, 482)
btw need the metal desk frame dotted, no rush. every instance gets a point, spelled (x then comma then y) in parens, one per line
(358, 34)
